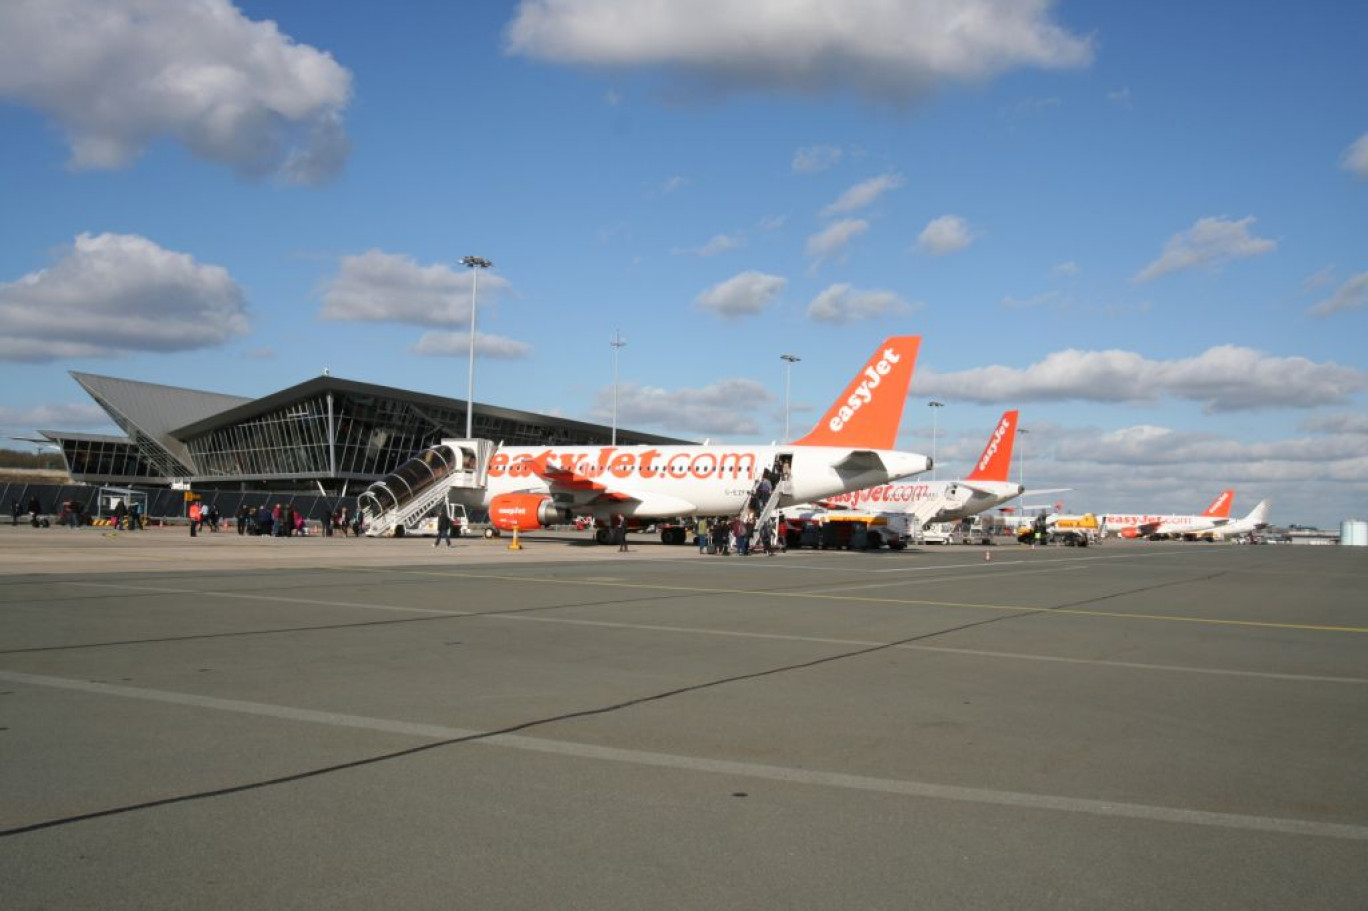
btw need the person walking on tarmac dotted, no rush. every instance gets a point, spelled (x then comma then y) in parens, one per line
(443, 526)
(620, 531)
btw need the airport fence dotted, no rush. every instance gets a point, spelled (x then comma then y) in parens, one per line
(163, 505)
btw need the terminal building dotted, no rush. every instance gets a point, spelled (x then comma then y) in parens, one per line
(325, 435)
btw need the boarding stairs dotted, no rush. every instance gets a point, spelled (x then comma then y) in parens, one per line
(781, 488)
(454, 471)
(406, 516)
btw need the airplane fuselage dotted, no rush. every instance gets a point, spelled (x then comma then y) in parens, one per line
(664, 481)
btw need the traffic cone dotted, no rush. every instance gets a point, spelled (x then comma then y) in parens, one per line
(514, 544)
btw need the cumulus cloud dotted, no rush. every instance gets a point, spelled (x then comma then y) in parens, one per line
(1224, 378)
(741, 295)
(1356, 157)
(1352, 295)
(457, 344)
(390, 287)
(43, 417)
(1210, 241)
(835, 237)
(843, 304)
(888, 52)
(719, 243)
(863, 194)
(727, 407)
(1346, 422)
(117, 75)
(947, 234)
(811, 159)
(111, 294)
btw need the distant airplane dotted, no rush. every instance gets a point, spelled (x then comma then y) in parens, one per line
(1257, 520)
(1158, 527)
(927, 502)
(530, 487)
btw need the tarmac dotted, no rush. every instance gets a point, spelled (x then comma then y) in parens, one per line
(236, 722)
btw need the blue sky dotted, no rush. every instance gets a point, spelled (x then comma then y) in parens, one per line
(1144, 225)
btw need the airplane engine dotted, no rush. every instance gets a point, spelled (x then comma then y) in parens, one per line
(523, 512)
(1131, 532)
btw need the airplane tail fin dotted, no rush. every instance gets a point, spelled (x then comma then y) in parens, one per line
(996, 462)
(1259, 514)
(1220, 507)
(868, 413)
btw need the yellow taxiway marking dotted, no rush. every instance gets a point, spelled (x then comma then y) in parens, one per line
(866, 599)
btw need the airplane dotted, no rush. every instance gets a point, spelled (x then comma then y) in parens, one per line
(1161, 527)
(928, 502)
(531, 487)
(1257, 520)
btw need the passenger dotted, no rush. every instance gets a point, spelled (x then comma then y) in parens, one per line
(443, 526)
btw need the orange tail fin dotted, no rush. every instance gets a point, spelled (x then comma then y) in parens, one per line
(996, 462)
(1220, 507)
(867, 414)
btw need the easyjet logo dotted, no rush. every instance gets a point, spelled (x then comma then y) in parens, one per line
(1220, 501)
(992, 449)
(887, 493)
(864, 393)
(625, 463)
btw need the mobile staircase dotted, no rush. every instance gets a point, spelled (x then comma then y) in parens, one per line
(452, 471)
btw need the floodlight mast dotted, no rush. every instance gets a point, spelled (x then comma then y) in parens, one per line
(790, 360)
(935, 409)
(617, 342)
(475, 264)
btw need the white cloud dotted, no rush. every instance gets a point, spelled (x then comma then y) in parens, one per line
(1210, 241)
(111, 294)
(457, 344)
(834, 237)
(771, 223)
(947, 234)
(117, 75)
(890, 52)
(1352, 295)
(727, 407)
(718, 243)
(390, 287)
(52, 417)
(1320, 278)
(671, 185)
(843, 304)
(1225, 378)
(1066, 270)
(811, 159)
(1356, 157)
(1346, 422)
(741, 295)
(1121, 97)
(863, 194)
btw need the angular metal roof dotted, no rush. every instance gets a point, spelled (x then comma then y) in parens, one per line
(155, 410)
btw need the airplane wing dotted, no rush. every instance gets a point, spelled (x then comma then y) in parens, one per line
(860, 460)
(589, 492)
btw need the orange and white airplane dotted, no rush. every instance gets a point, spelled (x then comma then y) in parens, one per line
(1158, 527)
(530, 487)
(925, 502)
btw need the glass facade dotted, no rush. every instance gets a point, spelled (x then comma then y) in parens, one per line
(106, 460)
(331, 434)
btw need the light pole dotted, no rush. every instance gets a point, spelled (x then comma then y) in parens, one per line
(617, 342)
(475, 264)
(935, 410)
(1021, 459)
(790, 360)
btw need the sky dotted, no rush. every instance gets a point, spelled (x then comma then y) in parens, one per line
(1144, 225)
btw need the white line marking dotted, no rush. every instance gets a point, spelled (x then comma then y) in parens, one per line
(904, 788)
